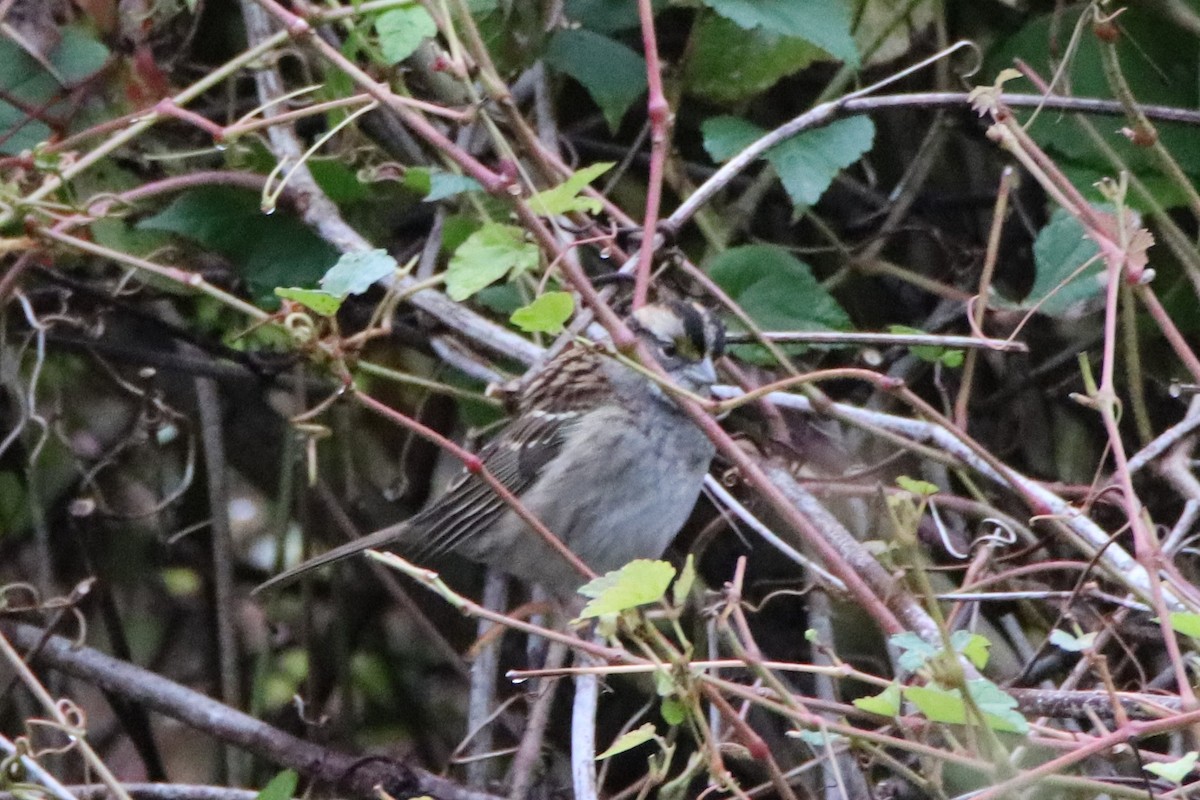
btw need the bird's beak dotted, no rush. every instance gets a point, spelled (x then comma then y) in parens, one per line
(702, 373)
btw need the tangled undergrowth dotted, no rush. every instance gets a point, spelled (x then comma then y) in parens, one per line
(268, 264)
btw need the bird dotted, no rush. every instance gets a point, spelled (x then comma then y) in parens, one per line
(600, 453)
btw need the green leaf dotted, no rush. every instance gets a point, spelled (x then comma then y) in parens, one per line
(1185, 622)
(825, 23)
(664, 682)
(972, 646)
(1060, 249)
(931, 353)
(613, 74)
(945, 705)
(503, 298)
(1174, 771)
(727, 63)
(269, 250)
(486, 256)
(77, 57)
(629, 740)
(998, 706)
(546, 314)
(807, 163)
(565, 198)
(339, 181)
(449, 184)
(418, 180)
(725, 137)
(953, 358)
(281, 787)
(355, 273)
(683, 584)
(17, 130)
(635, 584)
(673, 711)
(918, 487)
(817, 740)
(118, 234)
(776, 289)
(938, 705)
(401, 30)
(1158, 63)
(315, 300)
(886, 703)
(1072, 644)
(915, 652)
(181, 582)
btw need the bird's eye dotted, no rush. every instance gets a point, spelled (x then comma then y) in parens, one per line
(669, 349)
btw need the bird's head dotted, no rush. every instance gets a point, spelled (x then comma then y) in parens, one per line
(685, 338)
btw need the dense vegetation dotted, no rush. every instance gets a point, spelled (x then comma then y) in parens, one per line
(262, 261)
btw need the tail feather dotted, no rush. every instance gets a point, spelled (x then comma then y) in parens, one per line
(372, 541)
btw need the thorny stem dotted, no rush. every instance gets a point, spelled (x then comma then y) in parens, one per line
(1115, 241)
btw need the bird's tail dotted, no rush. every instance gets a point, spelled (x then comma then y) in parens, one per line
(372, 541)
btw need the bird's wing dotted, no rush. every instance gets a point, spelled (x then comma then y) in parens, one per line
(468, 506)
(516, 459)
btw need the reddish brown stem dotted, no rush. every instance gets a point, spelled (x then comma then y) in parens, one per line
(659, 113)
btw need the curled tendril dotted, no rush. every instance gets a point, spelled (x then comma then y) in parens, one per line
(962, 44)
(74, 730)
(300, 326)
(12, 766)
(730, 478)
(1001, 534)
(21, 597)
(944, 533)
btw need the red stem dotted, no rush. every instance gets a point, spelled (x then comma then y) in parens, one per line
(659, 115)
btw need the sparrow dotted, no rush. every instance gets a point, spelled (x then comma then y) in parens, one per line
(601, 454)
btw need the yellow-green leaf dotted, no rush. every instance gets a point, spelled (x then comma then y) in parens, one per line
(281, 787)
(486, 256)
(1174, 771)
(919, 487)
(886, 703)
(635, 584)
(1185, 622)
(629, 740)
(687, 577)
(566, 197)
(314, 300)
(546, 314)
